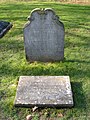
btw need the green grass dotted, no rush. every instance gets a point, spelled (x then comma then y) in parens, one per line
(13, 64)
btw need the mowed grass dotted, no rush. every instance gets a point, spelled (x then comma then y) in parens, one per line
(76, 19)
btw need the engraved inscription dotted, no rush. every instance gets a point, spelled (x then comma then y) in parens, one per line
(51, 90)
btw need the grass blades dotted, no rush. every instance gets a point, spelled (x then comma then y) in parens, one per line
(76, 19)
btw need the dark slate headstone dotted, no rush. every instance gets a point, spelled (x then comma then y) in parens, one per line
(4, 27)
(44, 36)
(44, 91)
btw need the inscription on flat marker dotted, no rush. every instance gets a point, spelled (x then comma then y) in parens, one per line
(44, 91)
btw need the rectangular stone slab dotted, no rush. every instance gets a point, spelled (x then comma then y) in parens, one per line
(44, 91)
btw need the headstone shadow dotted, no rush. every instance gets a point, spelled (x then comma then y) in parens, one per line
(78, 95)
(76, 60)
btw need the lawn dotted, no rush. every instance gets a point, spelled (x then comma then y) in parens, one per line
(76, 19)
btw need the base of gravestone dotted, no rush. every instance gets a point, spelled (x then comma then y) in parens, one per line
(4, 28)
(44, 91)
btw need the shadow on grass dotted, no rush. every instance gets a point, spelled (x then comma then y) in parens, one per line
(78, 95)
(43, 69)
(76, 60)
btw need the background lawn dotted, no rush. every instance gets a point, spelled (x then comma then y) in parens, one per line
(76, 64)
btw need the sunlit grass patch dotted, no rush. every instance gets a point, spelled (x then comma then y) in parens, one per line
(76, 63)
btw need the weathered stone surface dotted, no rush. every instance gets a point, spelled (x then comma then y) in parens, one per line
(44, 91)
(44, 36)
(4, 27)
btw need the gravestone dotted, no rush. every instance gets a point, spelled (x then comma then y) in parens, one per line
(44, 41)
(4, 27)
(44, 36)
(44, 91)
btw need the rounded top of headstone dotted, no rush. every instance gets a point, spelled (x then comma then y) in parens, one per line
(43, 13)
(40, 11)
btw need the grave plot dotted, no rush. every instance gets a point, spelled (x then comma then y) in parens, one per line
(44, 91)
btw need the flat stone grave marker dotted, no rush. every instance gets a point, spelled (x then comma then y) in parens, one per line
(44, 91)
(4, 27)
(44, 36)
